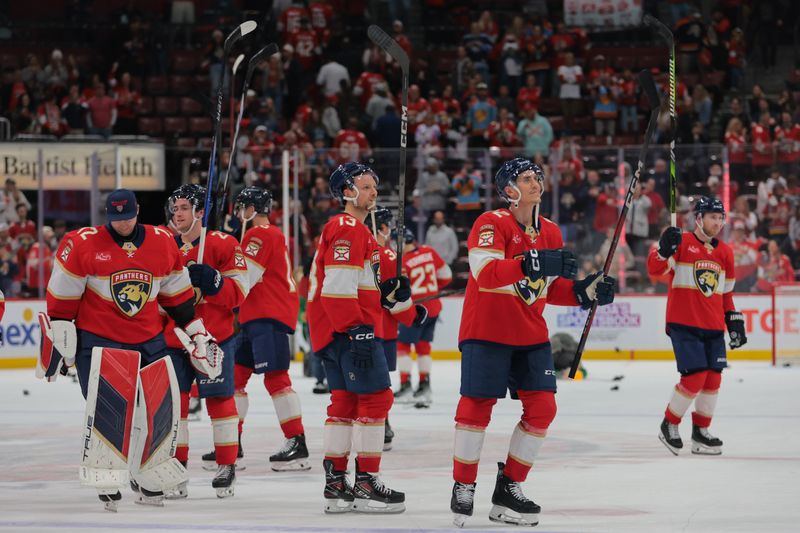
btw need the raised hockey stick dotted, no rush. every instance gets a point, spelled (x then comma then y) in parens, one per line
(390, 46)
(221, 202)
(234, 37)
(442, 294)
(666, 34)
(649, 87)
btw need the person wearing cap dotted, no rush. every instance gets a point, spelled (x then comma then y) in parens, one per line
(107, 286)
(482, 112)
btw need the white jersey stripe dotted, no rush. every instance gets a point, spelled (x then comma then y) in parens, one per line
(341, 282)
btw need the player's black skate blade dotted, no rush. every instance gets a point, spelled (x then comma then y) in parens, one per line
(670, 437)
(372, 496)
(461, 502)
(147, 497)
(224, 481)
(292, 457)
(510, 505)
(110, 501)
(338, 493)
(703, 443)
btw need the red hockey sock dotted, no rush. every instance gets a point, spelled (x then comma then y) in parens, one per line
(538, 412)
(182, 448)
(683, 396)
(224, 421)
(368, 430)
(286, 401)
(472, 417)
(342, 412)
(706, 401)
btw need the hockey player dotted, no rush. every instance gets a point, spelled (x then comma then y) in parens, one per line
(110, 280)
(699, 307)
(517, 265)
(416, 315)
(344, 316)
(428, 274)
(220, 283)
(268, 317)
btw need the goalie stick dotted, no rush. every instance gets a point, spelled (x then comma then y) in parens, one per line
(222, 189)
(390, 46)
(649, 87)
(234, 37)
(666, 34)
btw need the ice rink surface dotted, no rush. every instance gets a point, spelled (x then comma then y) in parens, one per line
(602, 467)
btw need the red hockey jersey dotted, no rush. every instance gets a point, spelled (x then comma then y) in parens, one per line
(273, 293)
(114, 292)
(701, 282)
(343, 281)
(406, 312)
(351, 145)
(222, 253)
(503, 306)
(428, 274)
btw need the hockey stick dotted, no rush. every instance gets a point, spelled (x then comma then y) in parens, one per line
(234, 37)
(442, 294)
(390, 46)
(222, 189)
(649, 87)
(666, 34)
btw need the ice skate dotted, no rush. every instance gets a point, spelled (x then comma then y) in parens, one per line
(670, 436)
(461, 502)
(404, 394)
(110, 501)
(510, 505)
(146, 497)
(195, 405)
(372, 496)
(293, 456)
(388, 435)
(704, 443)
(179, 492)
(210, 459)
(224, 480)
(338, 493)
(320, 387)
(423, 393)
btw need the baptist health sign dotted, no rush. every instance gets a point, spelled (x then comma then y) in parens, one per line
(69, 166)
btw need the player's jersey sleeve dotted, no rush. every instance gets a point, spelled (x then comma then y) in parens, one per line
(658, 266)
(68, 280)
(344, 264)
(229, 260)
(257, 256)
(487, 262)
(403, 311)
(176, 287)
(730, 280)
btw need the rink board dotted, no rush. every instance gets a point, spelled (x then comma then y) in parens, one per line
(632, 328)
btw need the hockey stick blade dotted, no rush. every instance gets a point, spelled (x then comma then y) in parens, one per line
(262, 55)
(389, 45)
(648, 85)
(243, 29)
(237, 63)
(659, 26)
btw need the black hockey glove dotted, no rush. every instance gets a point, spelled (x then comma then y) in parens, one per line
(422, 316)
(594, 287)
(537, 264)
(395, 290)
(362, 346)
(735, 322)
(205, 278)
(669, 242)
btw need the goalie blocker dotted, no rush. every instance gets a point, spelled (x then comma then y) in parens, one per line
(130, 426)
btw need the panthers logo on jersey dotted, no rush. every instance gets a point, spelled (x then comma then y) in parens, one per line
(130, 290)
(706, 277)
(375, 262)
(530, 290)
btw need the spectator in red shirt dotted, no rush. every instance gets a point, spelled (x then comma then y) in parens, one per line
(736, 143)
(763, 148)
(773, 268)
(49, 116)
(658, 209)
(128, 101)
(22, 225)
(102, 113)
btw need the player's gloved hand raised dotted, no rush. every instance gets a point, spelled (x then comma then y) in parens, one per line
(537, 264)
(422, 316)
(594, 287)
(736, 330)
(205, 278)
(669, 242)
(362, 345)
(204, 352)
(395, 290)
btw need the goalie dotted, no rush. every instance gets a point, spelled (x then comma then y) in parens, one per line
(102, 316)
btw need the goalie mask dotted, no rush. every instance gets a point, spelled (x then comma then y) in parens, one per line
(344, 178)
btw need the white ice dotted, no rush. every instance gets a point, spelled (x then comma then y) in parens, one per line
(601, 468)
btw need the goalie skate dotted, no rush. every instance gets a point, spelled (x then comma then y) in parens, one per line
(146, 497)
(110, 501)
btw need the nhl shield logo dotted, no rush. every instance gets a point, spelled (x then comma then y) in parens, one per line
(706, 277)
(530, 290)
(130, 290)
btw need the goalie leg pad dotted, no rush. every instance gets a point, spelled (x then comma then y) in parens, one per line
(58, 346)
(111, 406)
(155, 436)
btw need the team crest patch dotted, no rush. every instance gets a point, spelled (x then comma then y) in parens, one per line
(528, 290)
(341, 250)
(66, 251)
(486, 235)
(253, 247)
(238, 260)
(706, 276)
(376, 266)
(130, 290)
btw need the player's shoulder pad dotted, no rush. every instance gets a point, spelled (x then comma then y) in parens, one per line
(225, 240)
